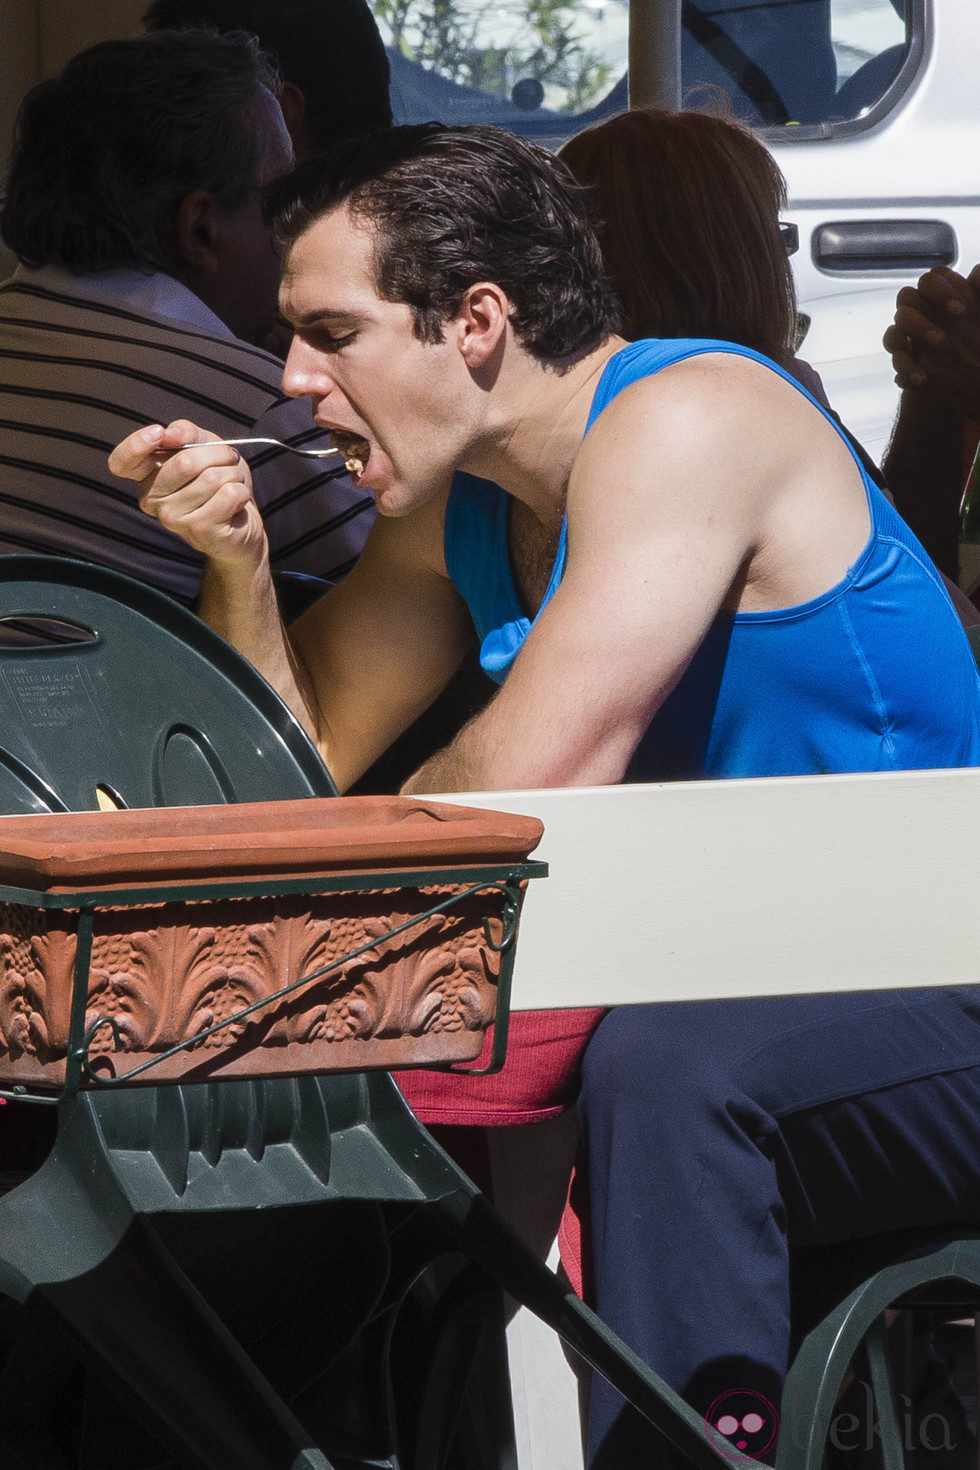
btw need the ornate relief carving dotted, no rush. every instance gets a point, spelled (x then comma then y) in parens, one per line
(166, 985)
(22, 998)
(166, 973)
(36, 954)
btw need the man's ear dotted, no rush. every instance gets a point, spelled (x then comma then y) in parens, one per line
(293, 105)
(196, 232)
(481, 323)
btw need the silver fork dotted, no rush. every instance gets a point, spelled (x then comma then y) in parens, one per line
(306, 453)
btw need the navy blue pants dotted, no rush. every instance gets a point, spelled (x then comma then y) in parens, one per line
(719, 1136)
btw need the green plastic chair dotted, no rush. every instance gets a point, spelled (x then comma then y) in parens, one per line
(941, 1276)
(121, 1232)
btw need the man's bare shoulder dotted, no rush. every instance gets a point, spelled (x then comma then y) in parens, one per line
(701, 398)
(724, 455)
(717, 419)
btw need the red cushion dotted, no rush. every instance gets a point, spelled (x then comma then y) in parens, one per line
(539, 1079)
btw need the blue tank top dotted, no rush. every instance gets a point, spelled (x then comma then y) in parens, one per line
(874, 675)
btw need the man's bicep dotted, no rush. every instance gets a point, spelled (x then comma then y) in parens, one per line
(665, 507)
(377, 650)
(600, 663)
(645, 579)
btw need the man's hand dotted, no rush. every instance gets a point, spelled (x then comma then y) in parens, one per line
(934, 340)
(364, 660)
(202, 494)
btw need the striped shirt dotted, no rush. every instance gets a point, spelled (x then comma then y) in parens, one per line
(85, 360)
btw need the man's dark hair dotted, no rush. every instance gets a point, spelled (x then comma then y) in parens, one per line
(104, 153)
(330, 49)
(454, 206)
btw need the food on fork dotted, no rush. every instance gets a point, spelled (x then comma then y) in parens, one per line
(353, 447)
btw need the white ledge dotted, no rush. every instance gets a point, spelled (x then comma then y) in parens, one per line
(708, 890)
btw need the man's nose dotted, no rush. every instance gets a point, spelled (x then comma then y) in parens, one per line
(304, 374)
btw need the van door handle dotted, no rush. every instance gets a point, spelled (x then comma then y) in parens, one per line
(883, 245)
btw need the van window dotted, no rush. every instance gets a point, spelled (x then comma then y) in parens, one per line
(542, 68)
(547, 68)
(789, 62)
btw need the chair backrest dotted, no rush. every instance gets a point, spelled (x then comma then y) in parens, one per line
(108, 686)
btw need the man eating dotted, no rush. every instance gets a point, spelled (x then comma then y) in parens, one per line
(676, 568)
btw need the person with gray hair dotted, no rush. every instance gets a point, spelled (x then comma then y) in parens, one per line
(335, 77)
(147, 286)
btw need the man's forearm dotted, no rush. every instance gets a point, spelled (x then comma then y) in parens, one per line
(518, 745)
(240, 603)
(447, 770)
(924, 471)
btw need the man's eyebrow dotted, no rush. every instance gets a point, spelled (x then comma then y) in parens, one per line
(320, 316)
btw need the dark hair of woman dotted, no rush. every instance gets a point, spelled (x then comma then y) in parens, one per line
(688, 213)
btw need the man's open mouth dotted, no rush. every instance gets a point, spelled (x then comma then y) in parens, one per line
(355, 449)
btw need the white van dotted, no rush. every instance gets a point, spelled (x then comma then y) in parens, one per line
(884, 195)
(871, 107)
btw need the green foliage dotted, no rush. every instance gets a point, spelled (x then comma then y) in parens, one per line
(447, 36)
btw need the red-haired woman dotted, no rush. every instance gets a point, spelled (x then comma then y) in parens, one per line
(688, 212)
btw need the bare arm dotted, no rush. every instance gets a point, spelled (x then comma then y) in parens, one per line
(924, 471)
(368, 657)
(377, 649)
(668, 501)
(935, 347)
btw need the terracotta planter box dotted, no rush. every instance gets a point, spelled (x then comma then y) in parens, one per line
(173, 953)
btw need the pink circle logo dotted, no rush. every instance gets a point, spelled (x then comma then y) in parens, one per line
(743, 1420)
